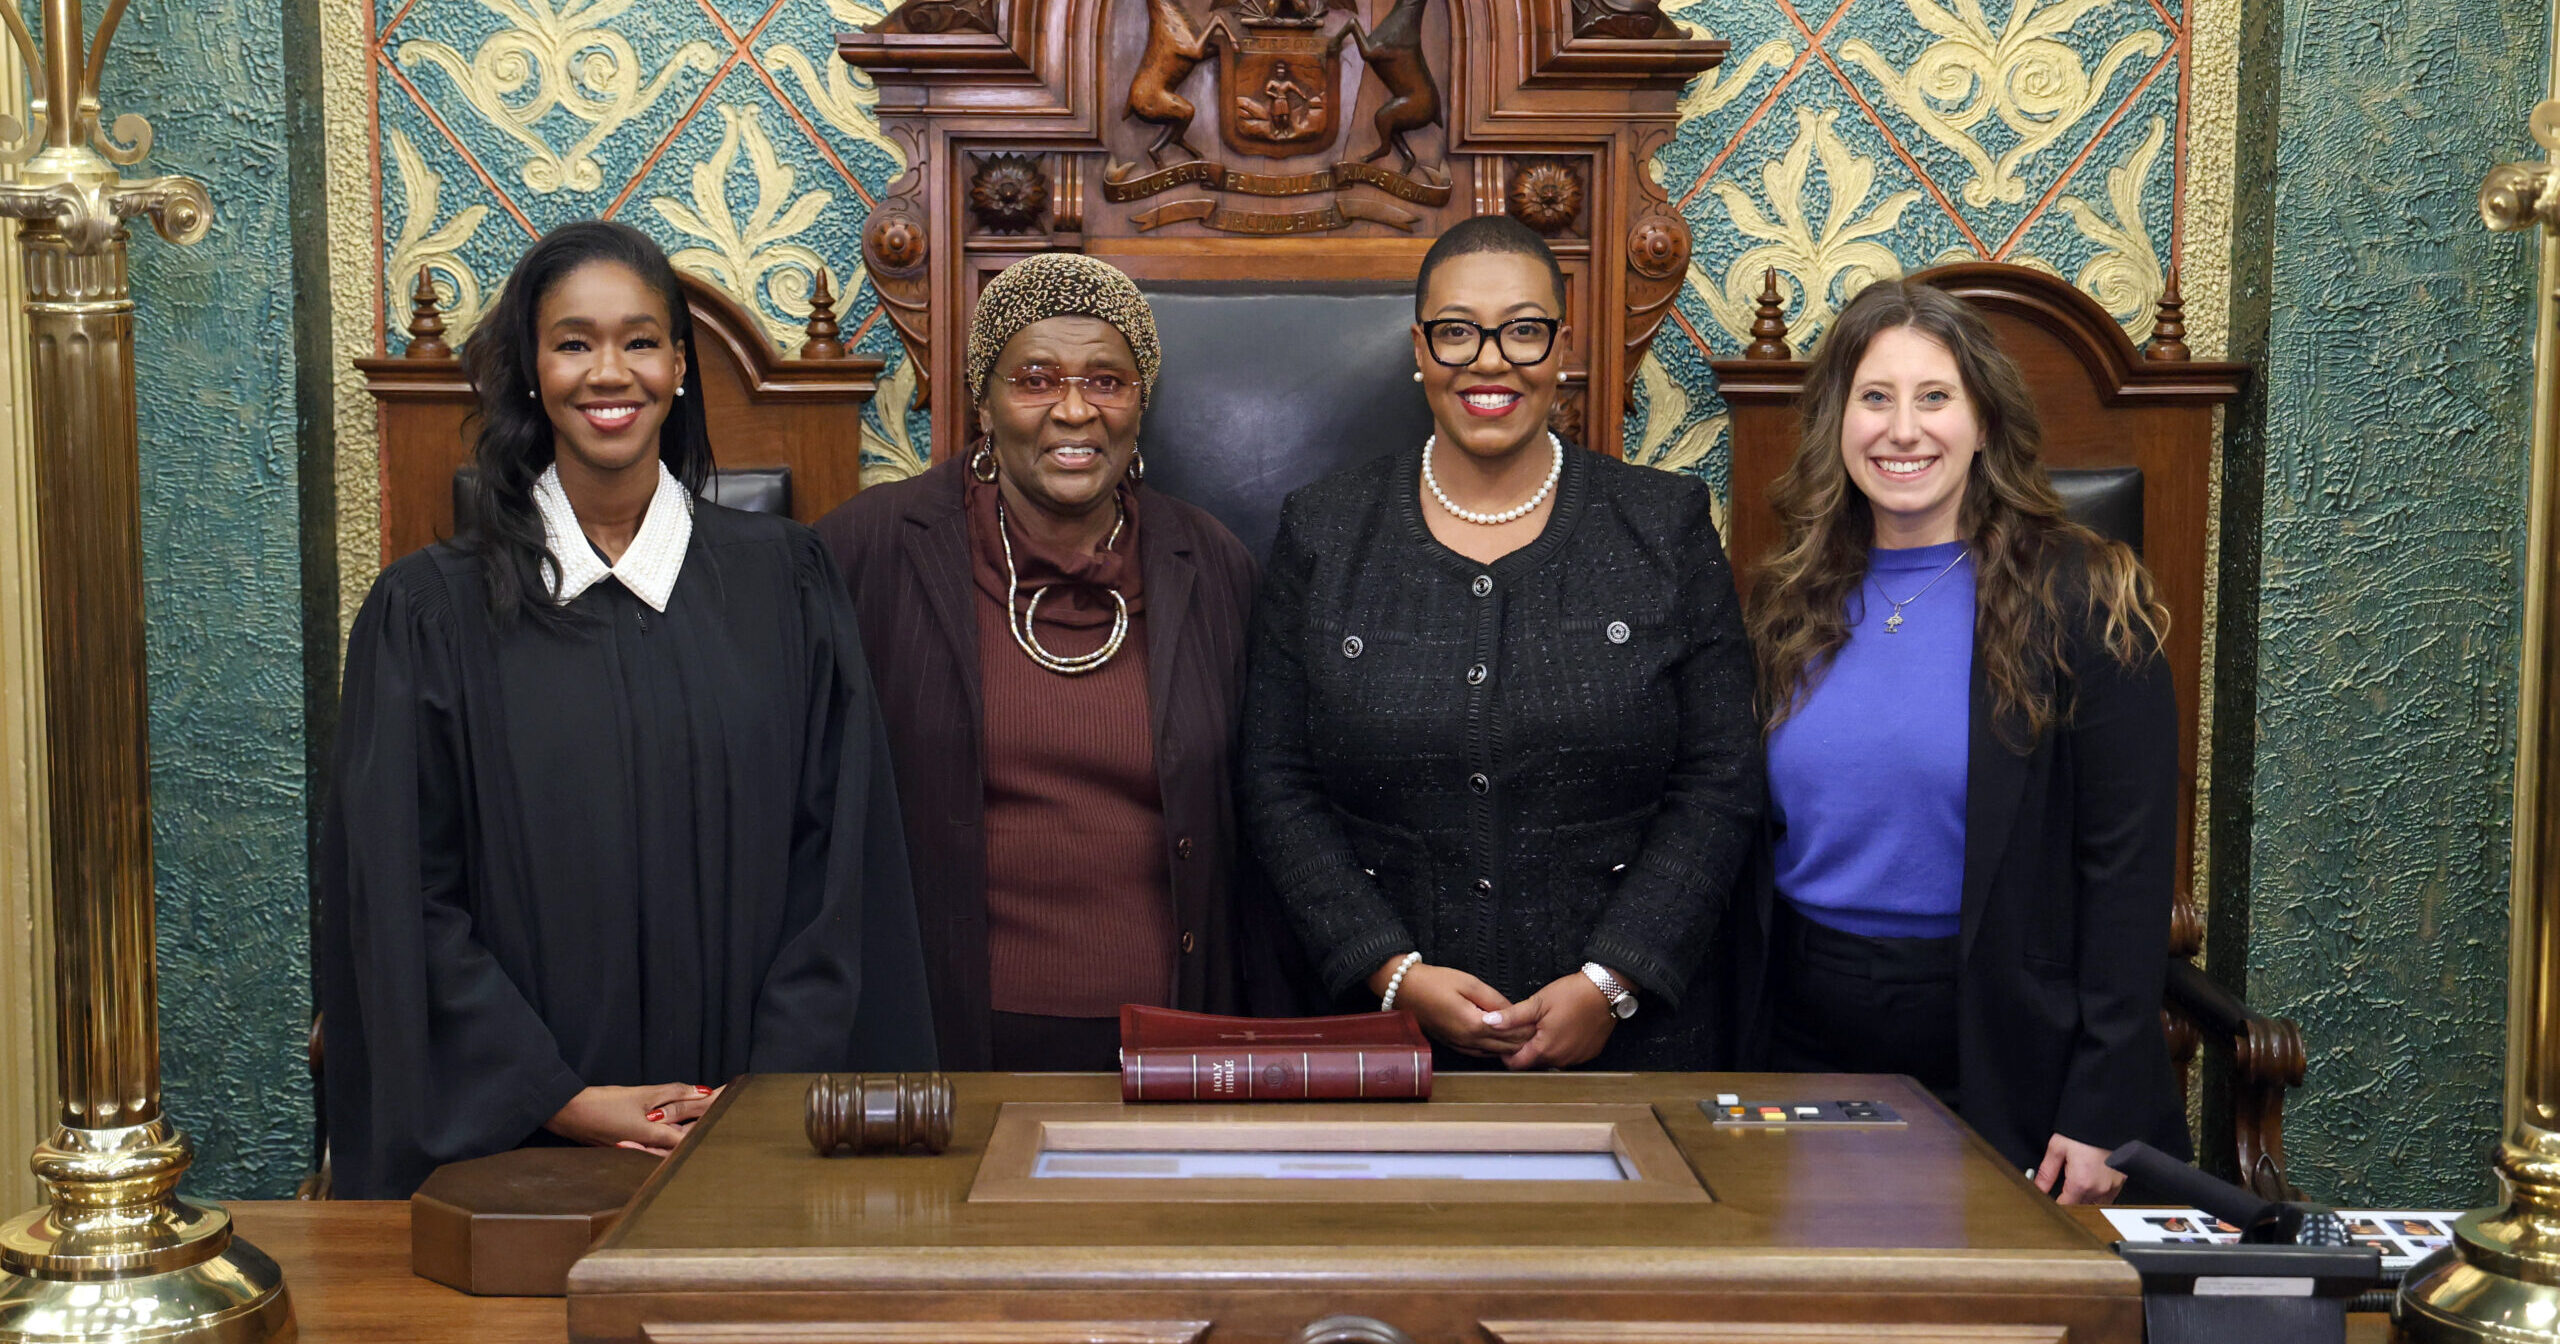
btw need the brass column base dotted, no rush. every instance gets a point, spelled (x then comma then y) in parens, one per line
(2489, 1285)
(117, 1256)
(236, 1297)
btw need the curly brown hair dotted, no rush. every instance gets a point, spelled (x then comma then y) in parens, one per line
(2011, 520)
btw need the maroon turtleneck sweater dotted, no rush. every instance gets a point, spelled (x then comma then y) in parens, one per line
(1079, 902)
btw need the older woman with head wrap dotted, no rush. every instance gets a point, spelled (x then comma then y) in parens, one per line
(1060, 657)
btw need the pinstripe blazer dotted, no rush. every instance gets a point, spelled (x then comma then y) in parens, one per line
(904, 550)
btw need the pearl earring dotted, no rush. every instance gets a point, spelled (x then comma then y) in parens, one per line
(532, 392)
(679, 391)
(1417, 375)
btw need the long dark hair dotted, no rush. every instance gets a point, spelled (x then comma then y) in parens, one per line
(514, 444)
(2011, 521)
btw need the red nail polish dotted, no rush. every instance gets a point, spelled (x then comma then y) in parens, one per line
(701, 1089)
(659, 1114)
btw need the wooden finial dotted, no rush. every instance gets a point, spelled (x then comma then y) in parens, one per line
(2169, 331)
(426, 325)
(1769, 330)
(822, 342)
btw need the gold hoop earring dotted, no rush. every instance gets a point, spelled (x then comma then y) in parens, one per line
(1137, 472)
(982, 464)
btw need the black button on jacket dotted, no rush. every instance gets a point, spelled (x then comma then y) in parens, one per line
(1612, 723)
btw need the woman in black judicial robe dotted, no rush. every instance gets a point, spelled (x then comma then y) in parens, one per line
(614, 820)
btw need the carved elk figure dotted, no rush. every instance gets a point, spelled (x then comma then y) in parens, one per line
(1393, 50)
(1173, 51)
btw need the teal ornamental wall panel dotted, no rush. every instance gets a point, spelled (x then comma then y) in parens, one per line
(213, 334)
(2398, 384)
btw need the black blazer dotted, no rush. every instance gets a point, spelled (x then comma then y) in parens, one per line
(1511, 767)
(2064, 935)
(904, 550)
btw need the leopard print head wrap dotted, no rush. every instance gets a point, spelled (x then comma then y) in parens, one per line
(1060, 284)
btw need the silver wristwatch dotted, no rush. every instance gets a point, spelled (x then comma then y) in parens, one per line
(1622, 1000)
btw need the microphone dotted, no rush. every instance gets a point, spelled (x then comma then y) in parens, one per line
(2262, 1222)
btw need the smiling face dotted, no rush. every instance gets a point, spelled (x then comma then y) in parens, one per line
(1908, 438)
(1489, 407)
(1064, 458)
(608, 369)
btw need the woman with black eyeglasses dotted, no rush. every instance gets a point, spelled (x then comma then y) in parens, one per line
(1060, 656)
(1499, 754)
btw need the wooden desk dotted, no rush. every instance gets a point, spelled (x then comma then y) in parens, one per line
(1917, 1232)
(348, 1267)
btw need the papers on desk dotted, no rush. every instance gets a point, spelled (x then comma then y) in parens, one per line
(2403, 1235)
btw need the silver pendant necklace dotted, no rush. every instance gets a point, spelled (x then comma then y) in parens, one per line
(1893, 623)
(1064, 665)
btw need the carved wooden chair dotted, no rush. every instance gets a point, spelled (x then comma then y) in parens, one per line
(787, 430)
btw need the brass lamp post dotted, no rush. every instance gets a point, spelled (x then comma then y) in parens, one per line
(2500, 1279)
(116, 1255)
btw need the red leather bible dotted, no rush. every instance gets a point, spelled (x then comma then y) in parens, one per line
(1170, 1055)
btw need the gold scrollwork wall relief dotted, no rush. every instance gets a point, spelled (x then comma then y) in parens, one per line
(557, 56)
(1670, 442)
(843, 96)
(754, 251)
(889, 453)
(1838, 256)
(1711, 91)
(2022, 73)
(2125, 276)
(436, 247)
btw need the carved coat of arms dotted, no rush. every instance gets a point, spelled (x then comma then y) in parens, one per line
(1281, 80)
(1279, 95)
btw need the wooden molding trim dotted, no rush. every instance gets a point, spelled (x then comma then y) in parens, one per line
(26, 907)
(1745, 1332)
(928, 1332)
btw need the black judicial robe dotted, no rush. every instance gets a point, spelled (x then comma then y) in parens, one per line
(658, 848)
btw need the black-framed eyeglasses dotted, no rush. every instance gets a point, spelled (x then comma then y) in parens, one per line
(1456, 342)
(1039, 387)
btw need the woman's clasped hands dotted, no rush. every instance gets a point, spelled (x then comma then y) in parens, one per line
(652, 1119)
(1565, 1023)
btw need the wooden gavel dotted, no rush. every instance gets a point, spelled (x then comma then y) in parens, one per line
(879, 1113)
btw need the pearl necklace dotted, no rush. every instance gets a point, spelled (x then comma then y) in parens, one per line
(1432, 484)
(1029, 639)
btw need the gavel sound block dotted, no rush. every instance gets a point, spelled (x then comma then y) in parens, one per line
(510, 1225)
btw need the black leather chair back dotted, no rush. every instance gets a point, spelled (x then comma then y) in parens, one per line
(754, 489)
(2106, 500)
(1266, 388)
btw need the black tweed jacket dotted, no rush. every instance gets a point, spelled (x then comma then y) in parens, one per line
(1516, 767)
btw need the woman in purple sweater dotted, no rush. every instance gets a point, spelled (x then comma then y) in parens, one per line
(1972, 766)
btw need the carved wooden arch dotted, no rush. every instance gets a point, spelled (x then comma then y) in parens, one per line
(1029, 124)
(765, 410)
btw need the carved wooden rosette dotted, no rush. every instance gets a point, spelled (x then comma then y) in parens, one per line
(1239, 140)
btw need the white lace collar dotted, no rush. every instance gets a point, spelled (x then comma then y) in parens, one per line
(650, 565)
